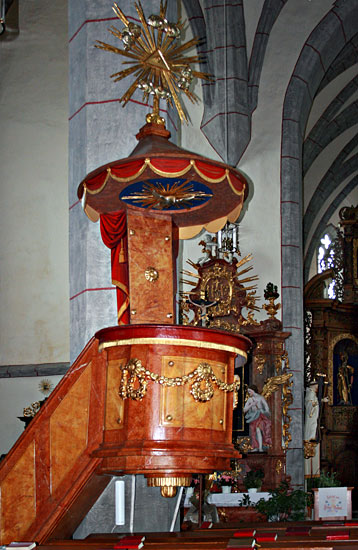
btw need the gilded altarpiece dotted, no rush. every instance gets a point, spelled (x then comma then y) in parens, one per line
(332, 350)
(269, 372)
(220, 299)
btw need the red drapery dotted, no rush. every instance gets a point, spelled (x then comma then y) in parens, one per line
(114, 235)
(167, 165)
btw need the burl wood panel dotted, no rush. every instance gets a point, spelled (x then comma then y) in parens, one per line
(52, 476)
(167, 432)
(18, 499)
(68, 428)
(50, 467)
(177, 405)
(150, 244)
(114, 405)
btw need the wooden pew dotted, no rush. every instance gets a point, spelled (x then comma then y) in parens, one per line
(218, 537)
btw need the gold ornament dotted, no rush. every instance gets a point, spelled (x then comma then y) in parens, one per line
(279, 466)
(45, 386)
(271, 307)
(159, 196)
(133, 371)
(135, 380)
(309, 449)
(222, 284)
(158, 64)
(243, 444)
(271, 385)
(32, 410)
(151, 274)
(260, 358)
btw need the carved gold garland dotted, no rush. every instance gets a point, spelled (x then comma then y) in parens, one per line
(32, 409)
(135, 378)
(309, 448)
(286, 402)
(261, 358)
(272, 384)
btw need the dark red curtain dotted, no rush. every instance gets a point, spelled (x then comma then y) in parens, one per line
(114, 235)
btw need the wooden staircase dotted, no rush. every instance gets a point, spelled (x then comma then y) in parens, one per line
(48, 480)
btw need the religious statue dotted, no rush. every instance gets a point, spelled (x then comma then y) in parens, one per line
(311, 412)
(345, 380)
(209, 245)
(257, 414)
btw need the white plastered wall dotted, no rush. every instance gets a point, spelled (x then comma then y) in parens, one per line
(34, 318)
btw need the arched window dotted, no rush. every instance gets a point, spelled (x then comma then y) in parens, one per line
(329, 257)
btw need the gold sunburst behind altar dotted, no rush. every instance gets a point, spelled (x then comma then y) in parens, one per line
(220, 293)
(158, 63)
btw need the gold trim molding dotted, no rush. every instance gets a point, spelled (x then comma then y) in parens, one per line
(172, 342)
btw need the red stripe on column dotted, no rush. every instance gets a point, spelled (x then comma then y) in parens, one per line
(92, 290)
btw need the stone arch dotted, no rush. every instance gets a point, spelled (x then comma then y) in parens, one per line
(331, 124)
(323, 223)
(322, 47)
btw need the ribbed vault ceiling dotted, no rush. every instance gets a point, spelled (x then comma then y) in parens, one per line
(330, 144)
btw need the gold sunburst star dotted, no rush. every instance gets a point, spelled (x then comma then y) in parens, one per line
(45, 386)
(161, 197)
(158, 64)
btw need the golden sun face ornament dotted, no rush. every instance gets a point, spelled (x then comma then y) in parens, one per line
(157, 61)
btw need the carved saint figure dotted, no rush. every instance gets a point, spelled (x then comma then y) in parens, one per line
(257, 414)
(345, 380)
(311, 412)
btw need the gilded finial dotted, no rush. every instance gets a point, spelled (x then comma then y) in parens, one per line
(271, 294)
(158, 64)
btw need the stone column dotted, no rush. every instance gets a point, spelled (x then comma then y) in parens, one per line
(100, 131)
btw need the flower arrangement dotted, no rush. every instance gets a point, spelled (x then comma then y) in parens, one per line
(194, 481)
(226, 479)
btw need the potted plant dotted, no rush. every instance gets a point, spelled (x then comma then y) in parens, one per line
(325, 479)
(284, 504)
(194, 483)
(226, 481)
(253, 480)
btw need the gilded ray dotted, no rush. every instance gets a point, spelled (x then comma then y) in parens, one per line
(158, 61)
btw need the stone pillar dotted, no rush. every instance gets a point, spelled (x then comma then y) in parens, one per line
(100, 131)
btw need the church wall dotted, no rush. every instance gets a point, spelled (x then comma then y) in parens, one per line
(350, 199)
(33, 156)
(34, 318)
(262, 229)
(33, 207)
(100, 131)
(15, 394)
